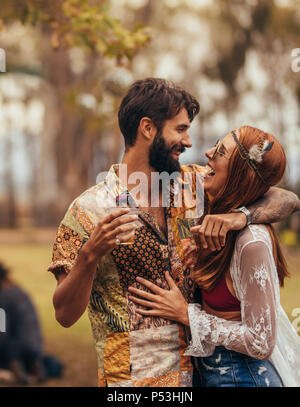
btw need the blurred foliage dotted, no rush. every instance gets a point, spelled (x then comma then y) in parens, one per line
(289, 238)
(77, 23)
(79, 102)
(233, 55)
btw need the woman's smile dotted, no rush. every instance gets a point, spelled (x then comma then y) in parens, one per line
(210, 171)
(217, 166)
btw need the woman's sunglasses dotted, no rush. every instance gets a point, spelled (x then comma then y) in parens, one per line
(217, 151)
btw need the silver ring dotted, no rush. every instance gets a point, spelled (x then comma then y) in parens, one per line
(118, 241)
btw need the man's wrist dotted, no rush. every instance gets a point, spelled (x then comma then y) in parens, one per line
(246, 212)
(88, 256)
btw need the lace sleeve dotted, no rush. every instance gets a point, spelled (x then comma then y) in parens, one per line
(255, 334)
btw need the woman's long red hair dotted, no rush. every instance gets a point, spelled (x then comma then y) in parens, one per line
(242, 188)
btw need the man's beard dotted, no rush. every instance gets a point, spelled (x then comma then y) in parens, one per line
(160, 155)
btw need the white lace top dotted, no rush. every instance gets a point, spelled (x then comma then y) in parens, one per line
(264, 331)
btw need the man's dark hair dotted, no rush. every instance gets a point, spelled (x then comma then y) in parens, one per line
(156, 98)
(3, 272)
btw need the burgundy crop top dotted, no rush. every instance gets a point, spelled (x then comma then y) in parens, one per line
(220, 298)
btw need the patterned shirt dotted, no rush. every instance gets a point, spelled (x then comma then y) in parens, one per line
(132, 349)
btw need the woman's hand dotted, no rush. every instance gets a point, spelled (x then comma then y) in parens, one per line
(214, 228)
(169, 304)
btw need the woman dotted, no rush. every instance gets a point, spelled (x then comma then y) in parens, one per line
(239, 332)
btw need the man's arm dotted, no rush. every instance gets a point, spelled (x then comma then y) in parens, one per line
(73, 290)
(276, 205)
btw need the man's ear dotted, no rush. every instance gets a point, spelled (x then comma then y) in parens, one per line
(147, 128)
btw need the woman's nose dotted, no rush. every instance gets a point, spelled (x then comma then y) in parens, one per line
(209, 153)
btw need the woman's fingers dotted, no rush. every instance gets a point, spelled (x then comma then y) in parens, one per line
(154, 288)
(199, 231)
(149, 312)
(223, 234)
(211, 232)
(142, 293)
(170, 280)
(144, 303)
(215, 234)
(206, 234)
(148, 304)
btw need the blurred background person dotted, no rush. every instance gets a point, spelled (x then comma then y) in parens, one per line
(21, 345)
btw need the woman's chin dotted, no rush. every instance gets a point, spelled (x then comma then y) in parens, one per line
(208, 188)
(207, 184)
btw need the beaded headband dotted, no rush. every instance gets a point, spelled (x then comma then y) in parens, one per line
(255, 154)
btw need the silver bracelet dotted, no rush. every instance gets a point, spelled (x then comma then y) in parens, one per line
(246, 212)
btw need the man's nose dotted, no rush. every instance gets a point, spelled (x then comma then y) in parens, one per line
(186, 141)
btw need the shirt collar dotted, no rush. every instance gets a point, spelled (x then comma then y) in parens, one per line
(112, 181)
(118, 193)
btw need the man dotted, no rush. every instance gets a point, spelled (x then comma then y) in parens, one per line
(93, 270)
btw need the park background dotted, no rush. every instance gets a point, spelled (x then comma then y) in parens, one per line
(68, 64)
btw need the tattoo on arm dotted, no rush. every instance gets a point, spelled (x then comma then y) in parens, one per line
(276, 205)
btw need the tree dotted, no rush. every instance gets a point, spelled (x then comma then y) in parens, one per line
(81, 23)
(62, 27)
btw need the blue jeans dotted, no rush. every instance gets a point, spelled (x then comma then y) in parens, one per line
(226, 368)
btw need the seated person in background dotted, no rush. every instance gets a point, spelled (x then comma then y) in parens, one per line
(21, 345)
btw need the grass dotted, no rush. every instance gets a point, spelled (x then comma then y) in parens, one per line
(74, 346)
(290, 298)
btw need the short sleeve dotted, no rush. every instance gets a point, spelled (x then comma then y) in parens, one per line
(71, 235)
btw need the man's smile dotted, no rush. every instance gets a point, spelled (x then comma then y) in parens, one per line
(177, 151)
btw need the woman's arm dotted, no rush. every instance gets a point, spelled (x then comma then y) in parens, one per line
(255, 335)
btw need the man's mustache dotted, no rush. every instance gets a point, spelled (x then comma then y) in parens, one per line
(179, 148)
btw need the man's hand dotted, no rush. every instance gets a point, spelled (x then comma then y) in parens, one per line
(103, 238)
(214, 228)
(73, 291)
